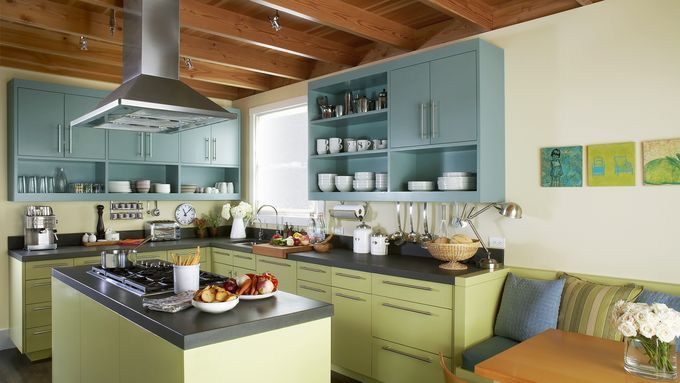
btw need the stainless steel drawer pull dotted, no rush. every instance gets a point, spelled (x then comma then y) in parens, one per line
(243, 257)
(51, 265)
(274, 263)
(42, 308)
(42, 332)
(206, 150)
(312, 289)
(70, 139)
(214, 154)
(42, 284)
(141, 144)
(416, 357)
(407, 309)
(408, 286)
(349, 276)
(350, 297)
(313, 270)
(59, 138)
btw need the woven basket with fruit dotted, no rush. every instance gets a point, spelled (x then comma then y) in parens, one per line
(458, 248)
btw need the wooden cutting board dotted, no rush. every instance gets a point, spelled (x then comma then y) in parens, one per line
(100, 243)
(278, 251)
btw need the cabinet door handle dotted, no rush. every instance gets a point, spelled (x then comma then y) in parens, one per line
(426, 288)
(407, 354)
(312, 269)
(42, 308)
(70, 139)
(214, 151)
(243, 257)
(150, 145)
(206, 150)
(139, 140)
(274, 263)
(305, 287)
(59, 138)
(42, 284)
(435, 130)
(42, 332)
(341, 295)
(407, 309)
(349, 276)
(422, 121)
(51, 265)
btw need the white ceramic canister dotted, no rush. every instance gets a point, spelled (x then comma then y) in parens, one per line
(362, 239)
(379, 244)
(186, 278)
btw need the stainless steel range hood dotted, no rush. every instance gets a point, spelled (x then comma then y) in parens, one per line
(151, 98)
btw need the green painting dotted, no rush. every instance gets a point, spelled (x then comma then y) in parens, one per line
(661, 161)
(611, 164)
(562, 166)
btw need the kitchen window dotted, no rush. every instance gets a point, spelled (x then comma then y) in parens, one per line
(279, 160)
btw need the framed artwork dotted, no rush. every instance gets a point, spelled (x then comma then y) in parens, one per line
(661, 162)
(562, 166)
(611, 164)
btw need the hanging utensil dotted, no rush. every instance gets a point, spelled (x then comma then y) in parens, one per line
(426, 237)
(412, 237)
(156, 212)
(443, 223)
(397, 238)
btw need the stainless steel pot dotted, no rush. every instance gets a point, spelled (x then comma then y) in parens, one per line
(118, 259)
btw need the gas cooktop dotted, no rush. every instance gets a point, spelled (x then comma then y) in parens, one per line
(148, 277)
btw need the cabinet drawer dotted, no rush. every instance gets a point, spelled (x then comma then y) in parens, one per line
(38, 338)
(351, 330)
(283, 269)
(314, 273)
(222, 269)
(429, 327)
(43, 269)
(313, 290)
(38, 290)
(244, 260)
(240, 271)
(205, 266)
(400, 364)
(429, 293)
(222, 256)
(39, 314)
(162, 255)
(351, 279)
(87, 261)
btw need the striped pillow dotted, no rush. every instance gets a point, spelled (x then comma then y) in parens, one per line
(586, 307)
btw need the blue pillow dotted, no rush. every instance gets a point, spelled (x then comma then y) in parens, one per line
(672, 301)
(528, 307)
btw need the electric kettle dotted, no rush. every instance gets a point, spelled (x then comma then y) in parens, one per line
(362, 239)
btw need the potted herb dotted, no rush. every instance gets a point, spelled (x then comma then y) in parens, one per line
(201, 226)
(213, 220)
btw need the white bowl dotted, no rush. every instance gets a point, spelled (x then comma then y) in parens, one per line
(344, 178)
(459, 174)
(327, 188)
(364, 175)
(215, 307)
(344, 187)
(326, 175)
(363, 188)
(420, 185)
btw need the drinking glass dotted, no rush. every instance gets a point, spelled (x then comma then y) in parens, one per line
(31, 184)
(50, 184)
(21, 185)
(42, 185)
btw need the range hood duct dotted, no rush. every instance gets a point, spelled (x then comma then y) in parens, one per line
(152, 98)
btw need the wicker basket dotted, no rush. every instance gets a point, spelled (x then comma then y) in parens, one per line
(453, 253)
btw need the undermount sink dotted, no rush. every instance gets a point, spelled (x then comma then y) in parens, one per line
(248, 242)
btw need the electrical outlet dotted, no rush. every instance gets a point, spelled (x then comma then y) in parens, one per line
(338, 230)
(497, 242)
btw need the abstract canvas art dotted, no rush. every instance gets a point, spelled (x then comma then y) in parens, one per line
(562, 166)
(661, 162)
(611, 164)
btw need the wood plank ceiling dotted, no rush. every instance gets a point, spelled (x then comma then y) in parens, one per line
(234, 50)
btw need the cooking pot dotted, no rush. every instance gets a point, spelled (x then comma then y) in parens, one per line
(118, 259)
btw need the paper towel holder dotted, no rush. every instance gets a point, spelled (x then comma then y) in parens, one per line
(352, 212)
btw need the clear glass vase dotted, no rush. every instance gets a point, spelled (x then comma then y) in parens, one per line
(651, 358)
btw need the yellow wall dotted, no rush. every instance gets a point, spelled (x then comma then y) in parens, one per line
(608, 72)
(74, 217)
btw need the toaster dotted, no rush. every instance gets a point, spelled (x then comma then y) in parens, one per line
(164, 230)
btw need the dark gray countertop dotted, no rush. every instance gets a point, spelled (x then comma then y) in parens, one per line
(192, 328)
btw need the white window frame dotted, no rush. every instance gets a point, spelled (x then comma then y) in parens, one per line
(267, 216)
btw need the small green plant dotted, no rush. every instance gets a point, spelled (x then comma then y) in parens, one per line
(213, 219)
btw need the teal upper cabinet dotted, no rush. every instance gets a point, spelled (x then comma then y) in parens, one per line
(159, 147)
(40, 116)
(217, 144)
(82, 142)
(138, 146)
(434, 102)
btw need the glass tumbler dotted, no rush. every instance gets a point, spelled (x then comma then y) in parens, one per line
(21, 184)
(31, 184)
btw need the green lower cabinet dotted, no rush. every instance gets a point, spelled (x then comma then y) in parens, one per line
(244, 260)
(314, 273)
(66, 317)
(222, 269)
(395, 363)
(315, 291)
(283, 269)
(351, 330)
(99, 342)
(39, 314)
(38, 339)
(38, 290)
(162, 255)
(90, 261)
(240, 271)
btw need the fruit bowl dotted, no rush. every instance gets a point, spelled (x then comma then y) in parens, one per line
(453, 253)
(215, 307)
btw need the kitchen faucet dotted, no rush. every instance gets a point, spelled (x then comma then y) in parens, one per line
(260, 233)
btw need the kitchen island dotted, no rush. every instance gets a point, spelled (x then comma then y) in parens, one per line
(102, 333)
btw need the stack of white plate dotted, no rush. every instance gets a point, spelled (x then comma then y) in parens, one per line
(119, 187)
(381, 181)
(364, 181)
(188, 188)
(327, 181)
(420, 185)
(162, 188)
(344, 183)
(457, 181)
(142, 186)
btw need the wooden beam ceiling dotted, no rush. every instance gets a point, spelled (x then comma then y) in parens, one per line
(349, 18)
(520, 11)
(474, 11)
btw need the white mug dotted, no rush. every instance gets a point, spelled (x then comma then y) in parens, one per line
(383, 144)
(335, 144)
(351, 145)
(375, 144)
(230, 187)
(321, 146)
(221, 186)
(363, 145)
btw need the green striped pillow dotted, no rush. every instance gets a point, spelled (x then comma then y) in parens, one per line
(586, 307)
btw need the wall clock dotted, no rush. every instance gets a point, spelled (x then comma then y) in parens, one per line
(185, 214)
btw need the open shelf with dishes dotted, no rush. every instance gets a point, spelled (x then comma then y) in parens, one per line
(202, 177)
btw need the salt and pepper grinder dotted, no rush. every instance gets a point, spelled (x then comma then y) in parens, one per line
(101, 232)
(348, 102)
(382, 100)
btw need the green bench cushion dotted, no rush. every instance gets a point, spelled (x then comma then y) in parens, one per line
(485, 350)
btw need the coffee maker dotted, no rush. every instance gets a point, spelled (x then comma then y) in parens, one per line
(40, 232)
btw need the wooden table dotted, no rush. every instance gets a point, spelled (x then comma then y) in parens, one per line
(556, 356)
